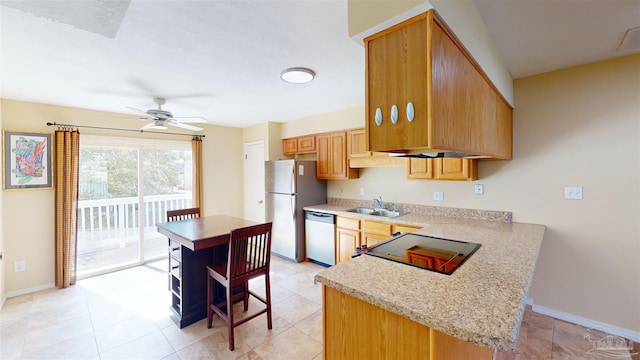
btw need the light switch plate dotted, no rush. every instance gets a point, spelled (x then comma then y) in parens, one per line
(573, 192)
(19, 265)
(478, 189)
(361, 191)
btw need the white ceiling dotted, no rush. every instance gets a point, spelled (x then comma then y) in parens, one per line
(222, 59)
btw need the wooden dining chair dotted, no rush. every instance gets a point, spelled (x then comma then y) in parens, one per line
(249, 257)
(183, 214)
(176, 215)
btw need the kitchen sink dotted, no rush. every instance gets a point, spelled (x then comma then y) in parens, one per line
(376, 212)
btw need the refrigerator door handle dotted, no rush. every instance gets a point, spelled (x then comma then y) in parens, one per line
(292, 179)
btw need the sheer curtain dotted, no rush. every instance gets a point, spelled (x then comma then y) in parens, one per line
(196, 151)
(67, 143)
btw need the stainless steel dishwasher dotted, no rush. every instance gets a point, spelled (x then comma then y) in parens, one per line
(320, 233)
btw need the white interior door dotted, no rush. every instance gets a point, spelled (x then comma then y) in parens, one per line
(254, 181)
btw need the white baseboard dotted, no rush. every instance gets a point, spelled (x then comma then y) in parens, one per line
(30, 290)
(588, 323)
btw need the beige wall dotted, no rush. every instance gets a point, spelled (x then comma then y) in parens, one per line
(349, 118)
(268, 132)
(575, 127)
(28, 227)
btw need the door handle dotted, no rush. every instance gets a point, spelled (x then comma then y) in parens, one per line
(260, 202)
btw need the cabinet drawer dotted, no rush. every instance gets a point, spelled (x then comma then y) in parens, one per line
(348, 223)
(176, 268)
(405, 228)
(175, 250)
(377, 228)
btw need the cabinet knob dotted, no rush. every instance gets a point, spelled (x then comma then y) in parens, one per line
(378, 116)
(410, 111)
(394, 114)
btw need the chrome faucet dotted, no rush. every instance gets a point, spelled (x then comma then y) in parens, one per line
(378, 202)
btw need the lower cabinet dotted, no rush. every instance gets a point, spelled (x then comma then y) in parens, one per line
(347, 238)
(352, 233)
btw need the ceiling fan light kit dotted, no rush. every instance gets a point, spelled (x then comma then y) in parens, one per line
(297, 75)
(160, 118)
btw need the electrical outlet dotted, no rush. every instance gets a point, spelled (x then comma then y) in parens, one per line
(19, 265)
(361, 191)
(438, 195)
(478, 189)
(573, 192)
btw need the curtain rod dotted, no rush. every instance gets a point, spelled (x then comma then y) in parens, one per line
(117, 129)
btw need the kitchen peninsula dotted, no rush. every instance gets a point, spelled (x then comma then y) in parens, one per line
(379, 309)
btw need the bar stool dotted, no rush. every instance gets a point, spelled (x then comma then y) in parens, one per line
(249, 257)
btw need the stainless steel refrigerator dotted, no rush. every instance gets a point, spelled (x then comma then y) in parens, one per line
(290, 185)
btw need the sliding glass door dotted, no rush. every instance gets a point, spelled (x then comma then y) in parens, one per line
(126, 187)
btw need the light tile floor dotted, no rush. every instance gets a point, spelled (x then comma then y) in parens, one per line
(125, 315)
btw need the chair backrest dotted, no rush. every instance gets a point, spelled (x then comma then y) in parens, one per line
(249, 252)
(183, 214)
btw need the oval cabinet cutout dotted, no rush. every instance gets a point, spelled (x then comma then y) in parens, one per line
(394, 114)
(378, 116)
(410, 111)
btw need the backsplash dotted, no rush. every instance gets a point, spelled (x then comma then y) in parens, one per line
(486, 215)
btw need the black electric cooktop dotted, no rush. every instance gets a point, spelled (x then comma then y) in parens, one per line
(431, 253)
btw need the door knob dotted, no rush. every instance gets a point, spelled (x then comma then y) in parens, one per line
(260, 202)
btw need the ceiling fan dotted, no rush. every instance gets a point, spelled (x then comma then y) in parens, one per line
(159, 117)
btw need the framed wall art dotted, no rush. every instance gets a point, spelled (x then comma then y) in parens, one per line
(26, 160)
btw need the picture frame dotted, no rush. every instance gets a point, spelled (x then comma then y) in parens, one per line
(26, 160)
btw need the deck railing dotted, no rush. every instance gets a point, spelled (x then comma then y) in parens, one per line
(109, 229)
(121, 215)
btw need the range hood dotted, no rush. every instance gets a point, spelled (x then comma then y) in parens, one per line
(438, 154)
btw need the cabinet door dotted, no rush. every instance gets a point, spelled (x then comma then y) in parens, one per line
(357, 143)
(455, 169)
(306, 144)
(338, 156)
(396, 74)
(289, 146)
(420, 168)
(347, 241)
(322, 160)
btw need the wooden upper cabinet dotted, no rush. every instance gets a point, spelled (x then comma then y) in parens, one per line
(420, 168)
(357, 143)
(455, 169)
(290, 146)
(299, 145)
(332, 161)
(442, 169)
(419, 67)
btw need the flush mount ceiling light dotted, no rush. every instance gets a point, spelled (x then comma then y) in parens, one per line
(297, 75)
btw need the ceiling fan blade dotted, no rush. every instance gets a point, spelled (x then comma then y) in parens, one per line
(191, 119)
(148, 126)
(138, 110)
(184, 126)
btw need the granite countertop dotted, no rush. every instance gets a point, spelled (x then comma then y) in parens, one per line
(482, 302)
